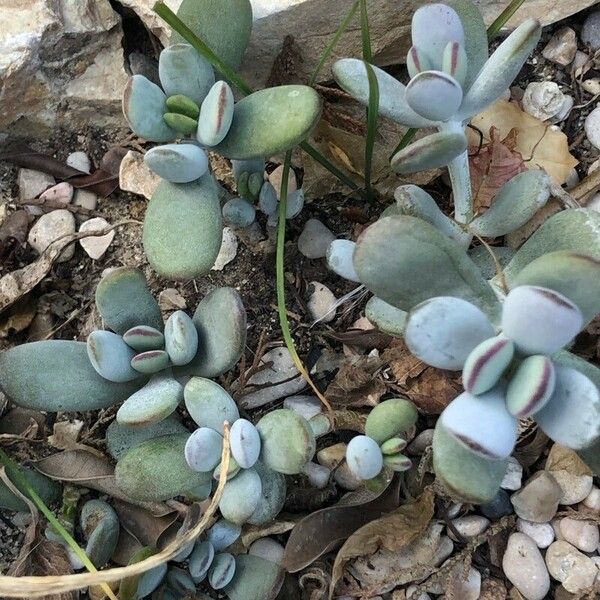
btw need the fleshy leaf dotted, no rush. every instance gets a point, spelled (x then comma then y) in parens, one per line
(144, 105)
(501, 68)
(183, 228)
(177, 163)
(454, 62)
(518, 200)
(216, 114)
(573, 275)
(255, 579)
(414, 201)
(433, 26)
(271, 121)
(430, 152)
(225, 27)
(405, 260)
(416, 62)
(351, 75)
(183, 71)
(434, 94)
(386, 317)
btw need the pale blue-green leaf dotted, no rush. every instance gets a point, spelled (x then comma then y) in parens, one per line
(434, 95)
(177, 163)
(430, 152)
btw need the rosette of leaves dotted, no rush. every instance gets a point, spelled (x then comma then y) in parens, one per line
(381, 446)
(452, 78)
(192, 112)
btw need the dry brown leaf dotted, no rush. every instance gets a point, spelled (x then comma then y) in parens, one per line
(65, 436)
(18, 318)
(492, 589)
(142, 524)
(324, 529)
(355, 386)
(251, 533)
(392, 532)
(542, 145)
(13, 231)
(565, 459)
(492, 165)
(80, 467)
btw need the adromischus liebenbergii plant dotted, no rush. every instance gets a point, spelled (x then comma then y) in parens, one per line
(183, 224)
(383, 442)
(451, 80)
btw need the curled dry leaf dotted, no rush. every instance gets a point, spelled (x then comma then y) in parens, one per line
(18, 318)
(355, 385)
(251, 533)
(65, 436)
(324, 529)
(80, 467)
(565, 459)
(146, 527)
(543, 146)
(492, 165)
(13, 231)
(392, 532)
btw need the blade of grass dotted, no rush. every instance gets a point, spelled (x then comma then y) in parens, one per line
(405, 141)
(15, 475)
(169, 17)
(364, 32)
(503, 18)
(280, 277)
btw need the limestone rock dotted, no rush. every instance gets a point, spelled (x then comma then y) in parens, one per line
(136, 177)
(96, 245)
(61, 64)
(562, 47)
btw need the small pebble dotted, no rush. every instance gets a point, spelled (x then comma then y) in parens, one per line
(580, 63)
(590, 32)
(331, 457)
(541, 533)
(571, 567)
(538, 500)
(321, 303)
(276, 177)
(314, 239)
(592, 500)
(565, 110)
(31, 185)
(421, 442)
(136, 177)
(572, 179)
(574, 488)
(592, 127)
(468, 588)
(584, 535)
(562, 47)
(85, 199)
(50, 227)
(592, 86)
(95, 246)
(228, 251)
(411, 595)
(469, 526)
(80, 161)
(524, 567)
(306, 406)
(61, 193)
(499, 507)
(454, 510)
(543, 99)
(513, 476)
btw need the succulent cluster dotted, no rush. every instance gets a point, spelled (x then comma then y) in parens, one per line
(196, 112)
(382, 444)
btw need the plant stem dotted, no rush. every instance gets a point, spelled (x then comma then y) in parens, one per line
(15, 474)
(503, 18)
(460, 178)
(165, 13)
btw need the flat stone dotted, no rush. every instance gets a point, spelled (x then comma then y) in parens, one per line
(79, 160)
(33, 183)
(85, 199)
(584, 535)
(469, 526)
(524, 567)
(306, 406)
(315, 239)
(95, 246)
(48, 228)
(136, 177)
(538, 500)
(541, 533)
(590, 32)
(574, 488)
(281, 377)
(61, 193)
(562, 47)
(513, 476)
(572, 568)
(592, 127)
(228, 250)
(321, 303)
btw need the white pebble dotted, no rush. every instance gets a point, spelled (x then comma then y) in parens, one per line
(570, 566)
(61, 193)
(574, 488)
(524, 567)
(592, 127)
(469, 526)
(513, 477)
(228, 250)
(321, 303)
(305, 406)
(592, 500)
(541, 533)
(95, 246)
(314, 239)
(80, 161)
(50, 227)
(542, 99)
(584, 535)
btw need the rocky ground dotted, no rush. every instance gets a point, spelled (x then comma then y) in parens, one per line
(542, 529)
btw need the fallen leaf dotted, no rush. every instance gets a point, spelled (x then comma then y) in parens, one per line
(392, 531)
(355, 386)
(127, 547)
(541, 144)
(325, 529)
(82, 468)
(251, 533)
(565, 459)
(146, 527)
(492, 165)
(531, 446)
(13, 230)
(18, 318)
(369, 339)
(65, 435)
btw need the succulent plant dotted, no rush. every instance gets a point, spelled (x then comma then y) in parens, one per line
(382, 444)
(193, 112)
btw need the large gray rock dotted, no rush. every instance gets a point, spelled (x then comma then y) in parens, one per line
(61, 64)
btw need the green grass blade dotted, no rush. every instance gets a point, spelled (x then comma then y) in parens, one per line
(503, 18)
(333, 43)
(372, 116)
(407, 138)
(364, 32)
(14, 472)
